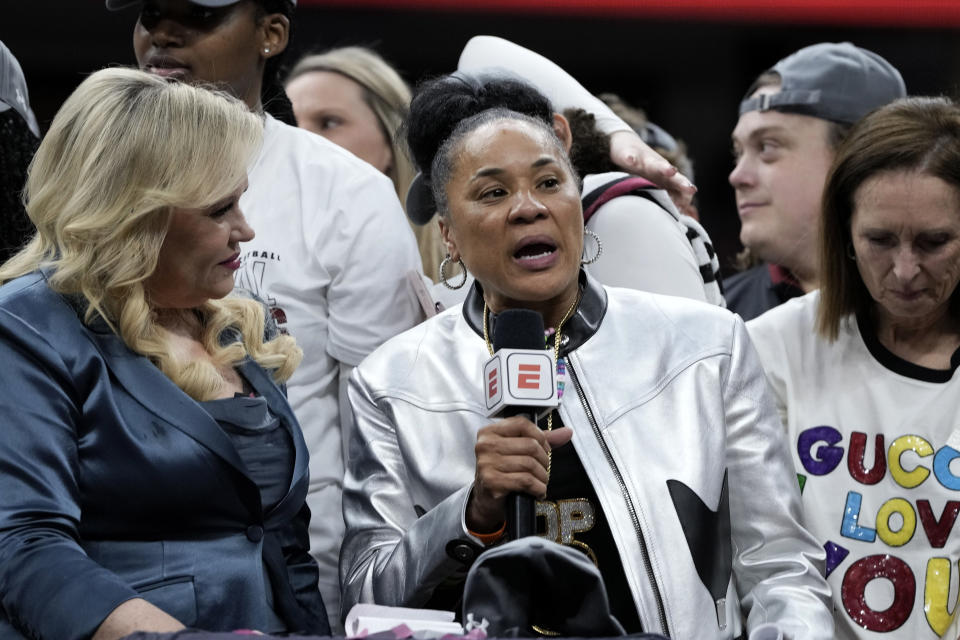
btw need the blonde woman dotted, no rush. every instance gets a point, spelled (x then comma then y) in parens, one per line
(153, 475)
(352, 97)
(333, 256)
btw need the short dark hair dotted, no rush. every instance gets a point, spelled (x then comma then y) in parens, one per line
(912, 134)
(590, 151)
(439, 105)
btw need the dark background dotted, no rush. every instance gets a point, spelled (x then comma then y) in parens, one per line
(688, 74)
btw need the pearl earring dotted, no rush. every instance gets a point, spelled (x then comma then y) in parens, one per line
(266, 49)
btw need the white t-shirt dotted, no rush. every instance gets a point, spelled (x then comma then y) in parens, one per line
(871, 438)
(330, 257)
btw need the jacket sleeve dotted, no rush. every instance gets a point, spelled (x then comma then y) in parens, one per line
(302, 572)
(390, 556)
(777, 564)
(49, 588)
(562, 89)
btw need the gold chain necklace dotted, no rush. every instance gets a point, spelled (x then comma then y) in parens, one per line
(556, 356)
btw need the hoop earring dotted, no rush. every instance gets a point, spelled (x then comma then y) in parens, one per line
(443, 274)
(596, 256)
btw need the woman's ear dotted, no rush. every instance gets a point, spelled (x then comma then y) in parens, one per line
(275, 34)
(449, 238)
(561, 126)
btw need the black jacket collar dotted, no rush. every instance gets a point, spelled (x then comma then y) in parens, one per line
(577, 330)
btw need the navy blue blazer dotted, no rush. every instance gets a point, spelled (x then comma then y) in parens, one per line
(114, 484)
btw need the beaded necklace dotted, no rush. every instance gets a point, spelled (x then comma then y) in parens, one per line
(561, 362)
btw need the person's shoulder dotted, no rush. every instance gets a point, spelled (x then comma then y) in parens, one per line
(620, 181)
(789, 328)
(673, 318)
(33, 313)
(800, 312)
(30, 295)
(390, 364)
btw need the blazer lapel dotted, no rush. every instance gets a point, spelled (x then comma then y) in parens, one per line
(261, 380)
(161, 396)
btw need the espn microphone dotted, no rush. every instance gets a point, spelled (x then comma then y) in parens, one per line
(520, 379)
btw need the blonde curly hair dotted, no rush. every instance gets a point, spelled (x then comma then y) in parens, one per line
(125, 149)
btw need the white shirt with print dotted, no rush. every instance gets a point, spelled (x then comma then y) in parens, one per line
(871, 438)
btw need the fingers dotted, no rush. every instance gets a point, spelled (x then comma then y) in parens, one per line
(632, 154)
(486, 508)
(493, 486)
(512, 456)
(559, 437)
(659, 171)
(515, 436)
(516, 426)
(680, 189)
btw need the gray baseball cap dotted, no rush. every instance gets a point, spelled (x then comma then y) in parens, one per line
(833, 81)
(113, 5)
(13, 89)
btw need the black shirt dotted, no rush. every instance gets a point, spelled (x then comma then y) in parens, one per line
(752, 292)
(572, 515)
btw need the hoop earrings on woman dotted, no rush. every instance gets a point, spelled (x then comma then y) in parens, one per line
(596, 256)
(443, 274)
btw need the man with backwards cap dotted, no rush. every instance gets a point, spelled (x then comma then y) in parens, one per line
(792, 119)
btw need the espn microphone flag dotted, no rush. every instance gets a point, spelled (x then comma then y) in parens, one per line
(519, 380)
(520, 377)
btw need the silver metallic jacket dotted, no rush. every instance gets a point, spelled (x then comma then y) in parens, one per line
(676, 431)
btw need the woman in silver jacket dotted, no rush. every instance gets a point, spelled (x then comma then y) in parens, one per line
(664, 462)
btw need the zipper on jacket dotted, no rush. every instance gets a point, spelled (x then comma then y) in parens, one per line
(627, 498)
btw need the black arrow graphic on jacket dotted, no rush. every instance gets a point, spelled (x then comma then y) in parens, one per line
(708, 537)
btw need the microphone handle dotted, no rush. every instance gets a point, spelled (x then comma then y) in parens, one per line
(521, 516)
(521, 507)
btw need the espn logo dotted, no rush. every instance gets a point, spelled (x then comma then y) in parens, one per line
(520, 377)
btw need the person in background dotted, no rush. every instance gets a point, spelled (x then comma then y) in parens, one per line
(352, 97)
(19, 137)
(153, 474)
(792, 119)
(689, 509)
(332, 252)
(864, 372)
